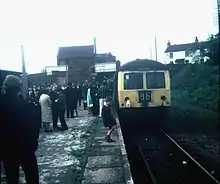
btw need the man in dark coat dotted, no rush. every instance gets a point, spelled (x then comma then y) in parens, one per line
(79, 94)
(18, 134)
(62, 107)
(69, 99)
(75, 99)
(55, 109)
(95, 101)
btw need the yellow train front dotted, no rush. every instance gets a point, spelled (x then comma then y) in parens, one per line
(142, 90)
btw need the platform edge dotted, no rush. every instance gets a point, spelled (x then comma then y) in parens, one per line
(126, 165)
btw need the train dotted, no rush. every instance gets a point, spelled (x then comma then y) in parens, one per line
(142, 90)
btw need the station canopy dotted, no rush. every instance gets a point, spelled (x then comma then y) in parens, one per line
(50, 69)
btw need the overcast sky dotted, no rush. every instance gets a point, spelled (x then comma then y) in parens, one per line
(124, 27)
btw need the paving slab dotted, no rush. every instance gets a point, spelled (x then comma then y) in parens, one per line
(104, 175)
(104, 161)
(104, 150)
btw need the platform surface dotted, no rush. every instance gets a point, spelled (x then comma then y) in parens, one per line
(106, 163)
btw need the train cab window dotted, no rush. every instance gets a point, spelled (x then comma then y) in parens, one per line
(133, 81)
(155, 80)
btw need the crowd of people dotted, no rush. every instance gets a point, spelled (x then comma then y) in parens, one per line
(21, 119)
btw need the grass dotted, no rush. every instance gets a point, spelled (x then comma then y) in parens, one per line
(197, 85)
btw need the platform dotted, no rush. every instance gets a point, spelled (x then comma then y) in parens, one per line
(107, 162)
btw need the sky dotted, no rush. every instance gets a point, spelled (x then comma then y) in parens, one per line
(126, 28)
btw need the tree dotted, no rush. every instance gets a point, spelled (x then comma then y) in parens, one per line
(198, 56)
(213, 51)
(210, 53)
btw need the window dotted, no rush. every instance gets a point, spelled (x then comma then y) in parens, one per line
(171, 55)
(133, 81)
(155, 80)
(186, 53)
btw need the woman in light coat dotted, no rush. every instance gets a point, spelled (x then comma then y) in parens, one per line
(46, 111)
(89, 99)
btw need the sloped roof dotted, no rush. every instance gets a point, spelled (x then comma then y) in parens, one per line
(75, 52)
(187, 46)
(105, 57)
(142, 65)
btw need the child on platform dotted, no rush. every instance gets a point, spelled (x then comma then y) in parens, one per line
(108, 119)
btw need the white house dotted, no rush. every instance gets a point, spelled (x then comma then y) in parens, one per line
(185, 53)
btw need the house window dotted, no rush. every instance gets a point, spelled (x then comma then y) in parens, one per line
(186, 53)
(171, 55)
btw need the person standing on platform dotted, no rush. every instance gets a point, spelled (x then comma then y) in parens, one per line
(19, 134)
(79, 94)
(75, 100)
(84, 94)
(89, 99)
(108, 119)
(61, 109)
(54, 98)
(95, 108)
(102, 94)
(46, 111)
(69, 100)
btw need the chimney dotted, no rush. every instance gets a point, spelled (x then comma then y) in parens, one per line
(168, 43)
(196, 40)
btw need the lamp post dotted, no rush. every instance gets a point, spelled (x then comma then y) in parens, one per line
(24, 75)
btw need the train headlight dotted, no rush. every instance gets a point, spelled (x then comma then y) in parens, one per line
(127, 102)
(163, 98)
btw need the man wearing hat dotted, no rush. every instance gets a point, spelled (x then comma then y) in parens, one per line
(18, 133)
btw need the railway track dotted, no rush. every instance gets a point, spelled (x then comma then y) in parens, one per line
(167, 162)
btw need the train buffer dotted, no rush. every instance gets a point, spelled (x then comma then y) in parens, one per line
(107, 162)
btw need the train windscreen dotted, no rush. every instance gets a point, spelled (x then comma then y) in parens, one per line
(155, 80)
(133, 81)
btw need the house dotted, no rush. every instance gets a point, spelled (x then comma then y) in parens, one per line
(185, 53)
(79, 60)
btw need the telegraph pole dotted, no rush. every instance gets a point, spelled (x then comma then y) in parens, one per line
(24, 75)
(94, 42)
(151, 53)
(156, 48)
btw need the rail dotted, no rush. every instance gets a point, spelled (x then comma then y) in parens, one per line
(147, 165)
(189, 156)
(153, 179)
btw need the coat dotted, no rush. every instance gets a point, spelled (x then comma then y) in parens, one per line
(108, 119)
(89, 98)
(19, 130)
(46, 111)
(62, 101)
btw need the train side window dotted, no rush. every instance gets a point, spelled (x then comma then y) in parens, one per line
(133, 81)
(155, 80)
